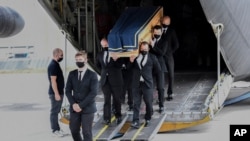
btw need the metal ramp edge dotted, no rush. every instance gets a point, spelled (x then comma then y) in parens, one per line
(181, 120)
(173, 126)
(219, 94)
(103, 132)
(212, 105)
(237, 99)
(145, 133)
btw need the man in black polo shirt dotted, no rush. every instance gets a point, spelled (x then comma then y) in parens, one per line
(56, 90)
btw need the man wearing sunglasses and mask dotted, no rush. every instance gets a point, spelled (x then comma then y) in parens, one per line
(81, 90)
(170, 36)
(142, 85)
(111, 82)
(159, 47)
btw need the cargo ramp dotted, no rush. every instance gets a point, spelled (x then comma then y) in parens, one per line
(196, 100)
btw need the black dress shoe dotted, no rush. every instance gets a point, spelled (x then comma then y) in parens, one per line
(107, 122)
(161, 109)
(135, 125)
(113, 110)
(130, 108)
(118, 120)
(169, 98)
(147, 123)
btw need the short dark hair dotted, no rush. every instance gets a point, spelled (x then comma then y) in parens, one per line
(157, 27)
(144, 43)
(82, 53)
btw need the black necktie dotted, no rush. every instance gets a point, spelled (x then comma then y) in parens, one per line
(156, 42)
(143, 56)
(80, 76)
(164, 31)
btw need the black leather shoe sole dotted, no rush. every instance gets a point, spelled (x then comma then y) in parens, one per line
(118, 121)
(107, 122)
(135, 125)
(169, 98)
(147, 123)
(161, 109)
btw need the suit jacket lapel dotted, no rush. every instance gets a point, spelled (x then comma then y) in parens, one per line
(103, 62)
(76, 78)
(85, 75)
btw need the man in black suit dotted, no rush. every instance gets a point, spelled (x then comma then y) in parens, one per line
(127, 78)
(142, 82)
(158, 48)
(111, 82)
(170, 36)
(81, 90)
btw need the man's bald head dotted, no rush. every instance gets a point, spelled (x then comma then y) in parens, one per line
(166, 20)
(104, 42)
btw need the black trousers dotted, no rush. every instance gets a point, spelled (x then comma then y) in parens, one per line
(160, 81)
(147, 94)
(85, 121)
(127, 77)
(170, 75)
(115, 92)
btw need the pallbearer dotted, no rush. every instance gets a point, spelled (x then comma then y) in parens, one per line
(142, 82)
(159, 47)
(111, 82)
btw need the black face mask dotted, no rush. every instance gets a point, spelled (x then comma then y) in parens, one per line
(164, 25)
(60, 59)
(80, 64)
(157, 36)
(106, 49)
(144, 52)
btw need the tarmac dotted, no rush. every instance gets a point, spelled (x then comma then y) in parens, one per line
(24, 108)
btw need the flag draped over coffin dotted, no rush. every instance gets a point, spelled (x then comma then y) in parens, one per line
(124, 35)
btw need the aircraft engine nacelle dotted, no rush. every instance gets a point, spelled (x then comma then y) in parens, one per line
(11, 22)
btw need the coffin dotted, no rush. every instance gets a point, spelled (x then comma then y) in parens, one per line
(133, 27)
